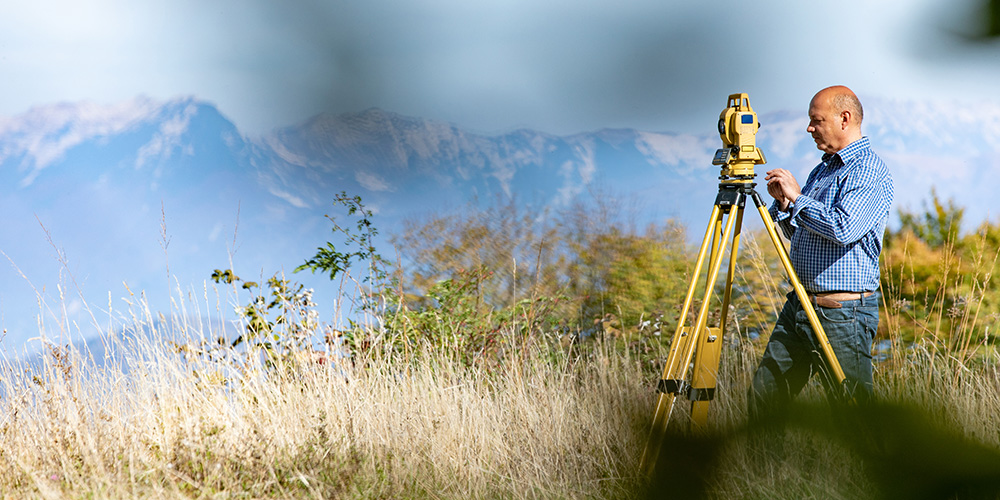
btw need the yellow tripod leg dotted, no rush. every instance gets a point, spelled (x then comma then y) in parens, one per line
(713, 274)
(705, 376)
(706, 364)
(728, 295)
(672, 370)
(686, 339)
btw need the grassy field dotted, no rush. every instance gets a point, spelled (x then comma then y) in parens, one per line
(153, 423)
(167, 411)
(552, 421)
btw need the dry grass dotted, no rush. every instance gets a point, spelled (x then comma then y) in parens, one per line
(153, 421)
(150, 422)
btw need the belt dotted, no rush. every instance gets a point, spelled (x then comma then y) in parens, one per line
(832, 300)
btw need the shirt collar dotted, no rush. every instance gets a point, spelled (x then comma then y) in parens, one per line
(847, 153)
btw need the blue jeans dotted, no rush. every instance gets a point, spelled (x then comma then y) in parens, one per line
(793, 354)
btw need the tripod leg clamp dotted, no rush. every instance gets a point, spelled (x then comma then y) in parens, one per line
(674, 386)
(671, 386)
(702, 394)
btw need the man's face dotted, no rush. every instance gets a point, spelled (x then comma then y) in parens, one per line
(825, 125)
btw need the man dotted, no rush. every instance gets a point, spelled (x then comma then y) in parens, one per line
(835, 223)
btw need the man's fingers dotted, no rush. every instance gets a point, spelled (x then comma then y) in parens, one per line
(778, 172)
(775, 191)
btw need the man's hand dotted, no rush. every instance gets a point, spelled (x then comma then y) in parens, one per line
(782, 186)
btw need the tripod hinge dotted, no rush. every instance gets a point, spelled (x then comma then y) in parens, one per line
(671, 386)
(703, 394)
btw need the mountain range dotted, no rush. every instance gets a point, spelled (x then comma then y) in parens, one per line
(103, 202)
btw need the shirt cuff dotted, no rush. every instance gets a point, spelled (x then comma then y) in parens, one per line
(801, 202)
(777, 214)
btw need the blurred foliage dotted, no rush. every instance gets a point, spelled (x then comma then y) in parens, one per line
(900, 451)
(938, 225)
(937, 282)
(581, 271)
(485, 281)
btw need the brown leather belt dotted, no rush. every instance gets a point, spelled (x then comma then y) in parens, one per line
(832, 300)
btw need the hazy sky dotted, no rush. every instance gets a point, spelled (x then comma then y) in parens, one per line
(491, 65)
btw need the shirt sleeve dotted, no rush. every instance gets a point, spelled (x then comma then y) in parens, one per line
(782, 219)
(786, 220)
(859, 206)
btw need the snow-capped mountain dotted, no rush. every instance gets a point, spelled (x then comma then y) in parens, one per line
(404, 164)
(157, 194)
(139, 135)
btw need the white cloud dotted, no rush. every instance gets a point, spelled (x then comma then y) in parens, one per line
(782, 136)
(213, 236)
(167, 137)
(278, 146)
(45, 133)
(678, 150)
(289, 197)
(372, 182)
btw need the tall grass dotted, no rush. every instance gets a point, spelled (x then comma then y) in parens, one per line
(154, 421)
(157, 418)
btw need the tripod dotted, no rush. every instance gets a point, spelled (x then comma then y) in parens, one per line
(698, 380)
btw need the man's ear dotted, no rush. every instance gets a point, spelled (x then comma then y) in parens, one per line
(845, 119)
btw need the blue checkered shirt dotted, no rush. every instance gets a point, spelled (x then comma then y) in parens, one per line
(836, 225)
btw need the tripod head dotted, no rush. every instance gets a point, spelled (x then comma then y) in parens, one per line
(738, 128)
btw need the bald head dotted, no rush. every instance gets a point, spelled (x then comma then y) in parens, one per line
(835, 116)
(844, 99)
